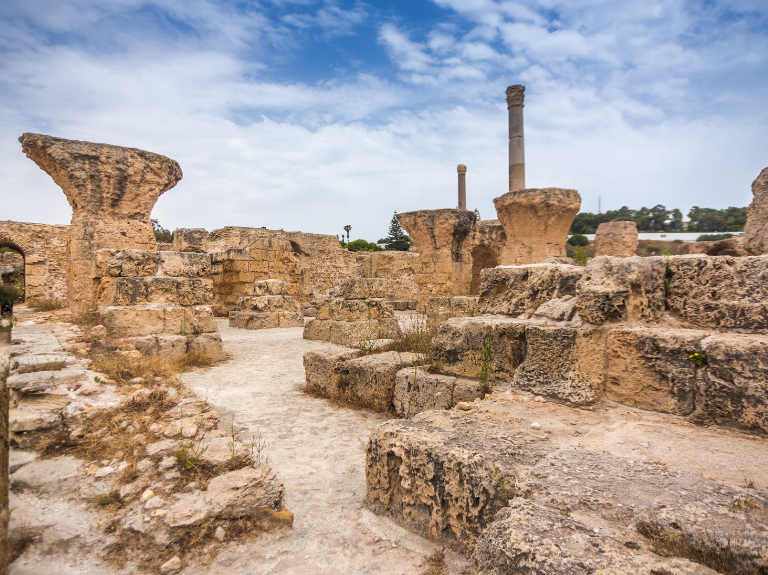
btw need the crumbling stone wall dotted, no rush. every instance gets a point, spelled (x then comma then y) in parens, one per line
(160, 300)
(45, 249)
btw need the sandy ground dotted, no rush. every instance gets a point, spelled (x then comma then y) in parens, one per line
(318, 452)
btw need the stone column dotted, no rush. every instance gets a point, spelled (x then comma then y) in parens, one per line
(112, 191)
(618, 239)
(462, 171)
(443, 239)
(536, 223)
(515, 96)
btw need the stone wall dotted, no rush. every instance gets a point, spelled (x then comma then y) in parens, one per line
(45, 249)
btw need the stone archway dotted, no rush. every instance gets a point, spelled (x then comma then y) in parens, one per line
(483, 257)
(22, 245)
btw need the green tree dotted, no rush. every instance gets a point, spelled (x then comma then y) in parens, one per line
(347, 228)
(161, 234)
(363, 246)
(397, 240)
(578, 240)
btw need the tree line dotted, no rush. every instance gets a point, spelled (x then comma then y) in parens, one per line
(660, 219)
(397, 240)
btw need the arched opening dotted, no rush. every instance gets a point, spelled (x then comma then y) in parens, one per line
(482, 258)
(11, 274)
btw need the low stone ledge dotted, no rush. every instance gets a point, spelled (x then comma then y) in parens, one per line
(370, 380)
(350, 333)
(323, 368)
(417, 390)
(265, 320)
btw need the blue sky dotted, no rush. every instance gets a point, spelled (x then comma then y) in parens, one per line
(309, 115)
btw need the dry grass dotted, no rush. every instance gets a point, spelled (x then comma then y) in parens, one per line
(434, 564)
(48, 366)
(44, 305)
(679, 543)
(87, 316)
(123, 367)
(417, 337)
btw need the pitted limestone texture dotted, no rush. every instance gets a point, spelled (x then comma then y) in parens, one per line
(618, 239)
(417, 390)
(536, 223)
(269, 307)
(159, 299)
(112, 191)
(456, 306)
(756, 228)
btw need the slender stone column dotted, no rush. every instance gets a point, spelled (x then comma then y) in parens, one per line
(462, 171)
(515, 96)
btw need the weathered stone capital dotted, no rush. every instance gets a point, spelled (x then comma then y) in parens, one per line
(461, 169)
(515, 95)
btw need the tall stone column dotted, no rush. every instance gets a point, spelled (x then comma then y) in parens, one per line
(112, 191)
(462, 171)
(515, 96)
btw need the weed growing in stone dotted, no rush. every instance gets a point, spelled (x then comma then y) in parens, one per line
(580, 256)
(190, 456)
(698, 358)
(45, 304)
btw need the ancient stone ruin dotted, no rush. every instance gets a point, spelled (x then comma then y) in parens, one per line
(244, 399)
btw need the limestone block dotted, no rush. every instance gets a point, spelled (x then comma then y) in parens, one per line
(563, 363)
(456, 306)
(190, 240)
(270, 287)
(459, 343)
(147, 319)
(370, 380)
(649, 368)
(350, 333)
(403, 305)
(721, 291)
(195, 291)
(737, 379)
(618, 239)
(622, 289)
(290, 319)
(536, 223)
(363, 288)
(129, 291)
(557, 309)
(253, 320)
(434, 474)
(354, 309)
(164, 346)
(124, 263)
(735, 246)
(23, 421)
(186, 265)
(323, 368)
(513, 290)
(44, 381)
(417, 390)
(201, 319)
(207, 343)
(756, 228)
(261, 303)
(162, 290)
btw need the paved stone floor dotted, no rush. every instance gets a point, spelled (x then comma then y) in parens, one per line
(317, 450)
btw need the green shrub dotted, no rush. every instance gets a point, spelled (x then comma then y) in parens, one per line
(578, 240)
(713, 237)
(363, 246)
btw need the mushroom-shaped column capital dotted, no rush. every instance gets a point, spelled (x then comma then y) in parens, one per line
(438, 230)
(536, 223)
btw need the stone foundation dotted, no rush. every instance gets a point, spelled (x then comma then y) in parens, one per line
(270, 306)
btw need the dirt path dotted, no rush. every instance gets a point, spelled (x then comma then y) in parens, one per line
(317, 451)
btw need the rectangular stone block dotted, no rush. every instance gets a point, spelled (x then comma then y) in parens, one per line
(162, 290)
(649, 368)
(270, 287)
(185, 264)
(737, 379)
(259, 267)
(515, 290)
(417, 390)
(290, 319)
(370, 380)
(563, 363)
(254, 320)
(616, 289)
(125, 263)
(459, 346)
(163, 346)
(137, 320)
(363, 288)
(354, 310)
(195, 291)
(209, 344)
(719, 291)
(129, 291)
(316, 329)
(322, 370)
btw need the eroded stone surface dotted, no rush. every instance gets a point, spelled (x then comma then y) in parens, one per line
(536, 223)
(618, 239)
(756, 228)
(417, 390)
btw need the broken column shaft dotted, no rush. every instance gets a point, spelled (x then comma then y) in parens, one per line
(462, 171)
(515, 96)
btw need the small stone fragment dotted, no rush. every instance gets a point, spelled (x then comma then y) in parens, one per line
(144, 465)
(167, 463)
(539, 399)
(148, 494)
(463, 406)
(154, 503)
(171, 566)
(535, 425)
(220, 533)
(93, 469)
(103, 471)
